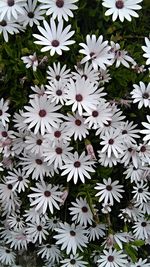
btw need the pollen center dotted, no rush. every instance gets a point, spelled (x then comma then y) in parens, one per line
(78, 122)
(77, 164)
(59, 3)
(47, 193)
(72, 233)
(119, 4)
(109, 187)
(3, 23)
(95, 113)
(85, 209)
(58, 150)
(79, 97)
(55, 43)
(111, 141)
(58, 92)
(10, 2)
(110, 258)
(42, 113)
(31, 15)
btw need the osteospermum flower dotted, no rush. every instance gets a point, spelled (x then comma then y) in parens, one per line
(147, 130)
(7, 256)
(108, 191)
(141, 95)
(71, 237)
(78, 167)
(97, 51)
(4, 116)
(41, 114)
(141, 229)
(74, 261)
(58, 73)
(30, 61)
(54, 38)
(146, 49)
(124, 9)
(37, 232)
(60, 9)
(112, 258)
(141, 263)
(45, 196)
(9, 27)
(11, 8)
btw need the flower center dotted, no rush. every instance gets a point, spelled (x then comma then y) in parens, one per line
(145, 95)
(119, 4)
(58, 92)
(42, 113)
(39, 228)
(92, 55)
(143, 224)
(57, 77)
(3, 23)
(4, 134)
(110, 258)
(47, 193)
(10, 2)
(78, 122)
(20, 178)
(143, 149)
(79, 97)
(84, 76)
(72, 233)
(39, 161)
(77, 164)
(95, 113)
(109, 187)
(7, 251)
(111, 141)
(57, 134)
(18, 219)
(124, 132)
(31, 15)
(58, 150)
(72, 261)
(9, 186)
(130, 149)
(55, 43)
(59, 3)
(140, 190)
(85, 209)
(39, 142)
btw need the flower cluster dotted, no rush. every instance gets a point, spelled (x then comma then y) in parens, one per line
(74, 164)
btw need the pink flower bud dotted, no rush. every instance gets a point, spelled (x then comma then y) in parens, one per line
(90, 151)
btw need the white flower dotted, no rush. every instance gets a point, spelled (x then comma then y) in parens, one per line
(131, 213)
(37, 232)
(4, 116)
(11, 9)
(46, 196)
(35, 143)
(82, 95)
(147, 130)
(38, 90)
(87, 72)
(124, 9)
(73, 261)
(58, 73)
(76, 126)
(32, 14)
(15, 221)
(78, 167)
(109, 191)
(129, 132)
(30, 61)
(97, 51)
(54, 38)
(141, 229)
(41, 114)
(60, 9)
(135, 174)
(141, 193)
(120, 56)
(112, 258)
(18, 179)
(96, 231)
(147, 50)
(71, 237)
(141, 94)
(81, 212)
(49, 252)
(10, 27)
(141, 263)
(57, 92)
(7, 256)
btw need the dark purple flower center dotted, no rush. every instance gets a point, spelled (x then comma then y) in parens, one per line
(39, 228)
(59, 150)
(39, 142)
(92, 55)
(39, 161)
(57, 77)
(95, 113)
(85, 209)
(119, 4)
(47, 193)
(9, 186)
(10, 2)
(20, 178)
(78, 122)
(79, 97)
(57, 134)
(3, 23)
(18, 219)
(143, 149)
(59, 3)
(111, 141)
(109, 187)
(55, 43)
(72, 261)
(124, 132)
(7, 251)
(130, 149)
(31, 15)
(110, 258)
(84, 76)
(42, 113)
(140, 190)
(72, 233)
(4, 134)
(77, 164)
(145, 95)
(143, 224)
(59, 92)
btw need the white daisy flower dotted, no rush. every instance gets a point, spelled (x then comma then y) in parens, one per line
(108, 191)
(18, 120)
(97, 51)
(104, 76)
(83, 95)
(96, 231)
(18, 239)
(141, 192)
(129, 132)
(76, 126)
(141, 229)
(81, 212)
(35, 143)
(58, 73)
(134, 174)
(58, 134)
(38, 90)
(41, 114)
(18, 179)
(144, 152)
(45, 196)
(7, 256)
(15, 221)
(131, 213)
(113, 239)
(130, 155)
(53, 223)
(37, 232)
(4, 116)
(9, 27)
(124, 9)
(32, 14)
(141, 95)
(120, 56)
(35, 216)
(61, 9)
(76, 167)
(104, 160)
(112, 258)
(30, 61)
(49, 252)
(11, 9)
(147, 130)
(74, 261)
(141, 263)
(6, 192)
(54, 38)
(57, 92)
(71, 237)
(87, 72)
(146, 49)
